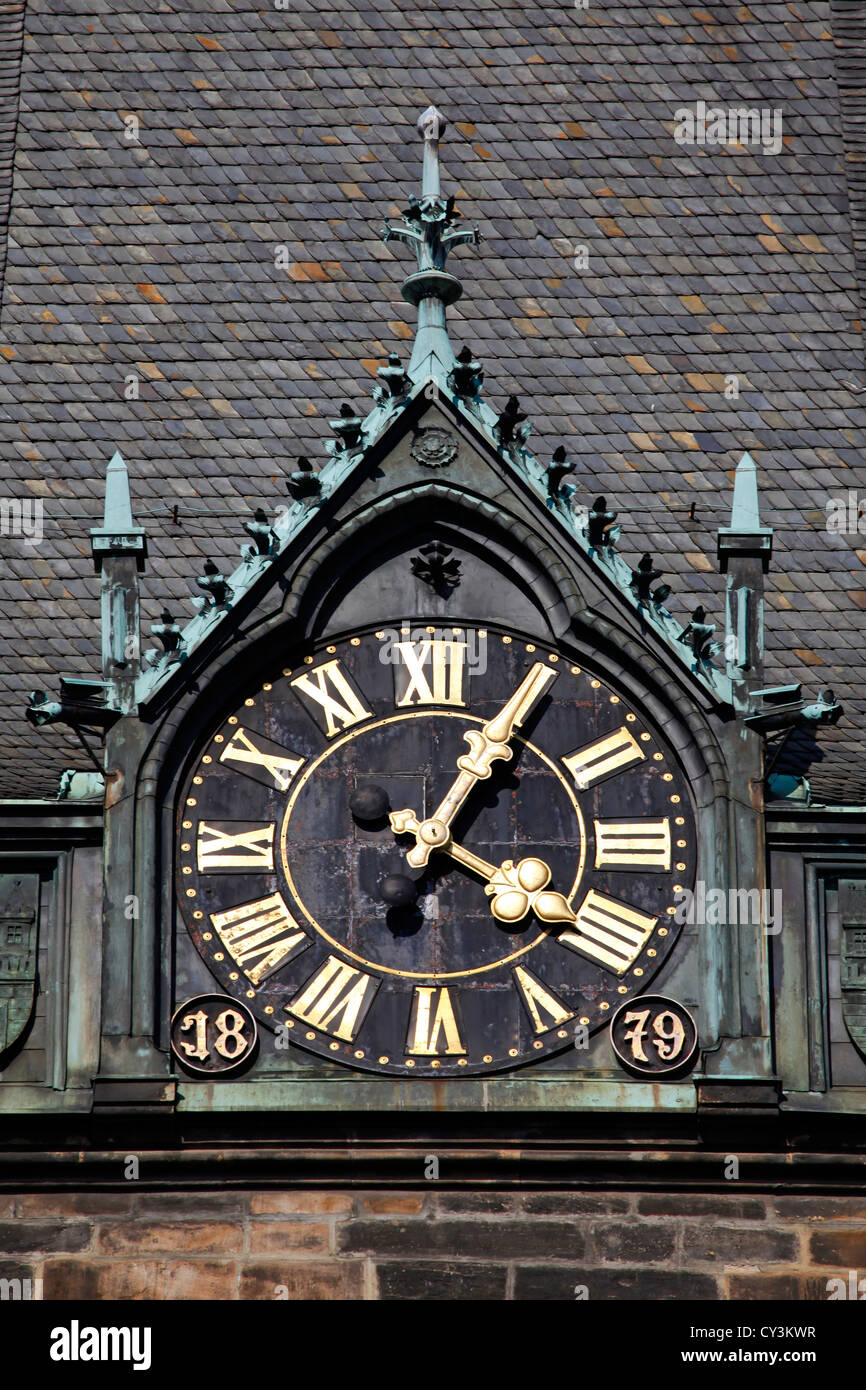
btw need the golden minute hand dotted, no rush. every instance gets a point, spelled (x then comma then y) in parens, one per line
(486, 745)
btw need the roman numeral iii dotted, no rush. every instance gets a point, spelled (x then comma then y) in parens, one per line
(640, 844)
(608, 931)
(221, 846)
(603, 758)
(260, 937)
(333, 694)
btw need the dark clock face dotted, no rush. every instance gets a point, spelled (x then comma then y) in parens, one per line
(434, 851)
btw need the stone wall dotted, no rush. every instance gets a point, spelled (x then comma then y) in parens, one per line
(235, 1244)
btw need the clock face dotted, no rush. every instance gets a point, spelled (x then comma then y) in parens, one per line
(434, 851)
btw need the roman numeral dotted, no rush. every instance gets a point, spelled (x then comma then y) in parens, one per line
(341, 710)
(540, 1000)
(601, 759)
(608, 931)
(335, 999)
(640, 844)
(249, 848)
(264, 761)
(446, 661)
(433, 1028)
(264, 932)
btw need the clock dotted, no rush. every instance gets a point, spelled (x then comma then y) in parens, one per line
(438, 851)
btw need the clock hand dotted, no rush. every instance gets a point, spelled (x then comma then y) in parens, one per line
(486, 745)
(514, 889)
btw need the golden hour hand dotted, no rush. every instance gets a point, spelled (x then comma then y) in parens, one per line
(514, 889)
(486, 745)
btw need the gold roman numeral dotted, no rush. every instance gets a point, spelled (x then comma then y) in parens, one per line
(446, 662)
(433, 1028)
(262, 760)
(640, 844)
(607, 755)
(608, 931)
(341, 709)
(335, 999)
(249, 848)
(540, 1000)
(264, 932)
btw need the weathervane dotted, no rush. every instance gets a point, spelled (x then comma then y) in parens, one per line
(429, 225)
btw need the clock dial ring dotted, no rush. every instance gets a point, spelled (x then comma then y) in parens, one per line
(503, 1019)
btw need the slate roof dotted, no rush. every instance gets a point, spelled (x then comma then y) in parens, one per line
(265, 127)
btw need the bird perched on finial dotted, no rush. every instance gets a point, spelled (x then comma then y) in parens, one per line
(215, 585)
(466, 375)
(601, 531)
(512, 427)
(556, 471)
(260, 530)
(303, 483)
(643, 577)
(697, 634)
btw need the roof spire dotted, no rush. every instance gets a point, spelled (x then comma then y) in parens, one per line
(429, 226)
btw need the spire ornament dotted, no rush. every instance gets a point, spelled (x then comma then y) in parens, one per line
(429, 225)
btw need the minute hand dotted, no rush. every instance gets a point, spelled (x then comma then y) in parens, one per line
(486, 745)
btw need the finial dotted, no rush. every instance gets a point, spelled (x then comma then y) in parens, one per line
(428, 226)
(118, 534)
(745, 537)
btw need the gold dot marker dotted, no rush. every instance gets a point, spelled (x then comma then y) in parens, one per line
(614, 699)
(354, 642)
(310, 1037)
(674, 799)
(269, 1008)
(251, 994)
(487, 1057)
(249, 703)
